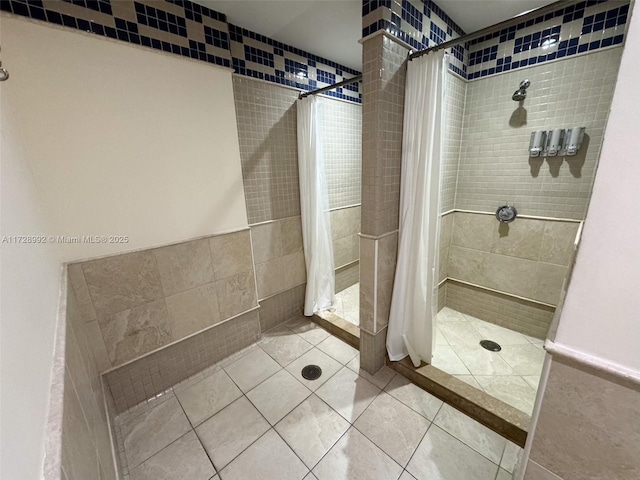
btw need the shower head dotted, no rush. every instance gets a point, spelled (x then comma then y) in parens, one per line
(521, 93)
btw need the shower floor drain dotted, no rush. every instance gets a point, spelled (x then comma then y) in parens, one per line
(490, 345)
(311, 372)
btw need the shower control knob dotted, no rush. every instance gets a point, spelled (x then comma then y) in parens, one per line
(506, 214)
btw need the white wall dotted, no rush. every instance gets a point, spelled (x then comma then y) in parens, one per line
(123, 140)
(29, 285)
(98, 138)
(601, 315)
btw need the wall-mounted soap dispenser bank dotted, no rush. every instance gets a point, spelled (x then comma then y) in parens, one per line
(556, 142)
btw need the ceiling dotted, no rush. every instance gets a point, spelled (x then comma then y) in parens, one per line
(332, 28)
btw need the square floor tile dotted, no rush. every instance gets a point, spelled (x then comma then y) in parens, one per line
(504, 475)
(472, 433)
(348, 393)
(445, 359)
(460, 333)
(278, 395)
(443, 457)
(208, 397)
(510, 456)
(532, 380)
(406, 476)
(393, 427)
(230, 431)
(311, 429)
(337, 349)
(499, 334)
(267, 459)
(252, 369)
(284, 346)
(525, 359)
(414, 397)
(482, 362)
(355, 457)
(381, 378)
(185, 458)
(314, 357)
(512, 390)
(449, 315)
(151, 431)
(311, 332)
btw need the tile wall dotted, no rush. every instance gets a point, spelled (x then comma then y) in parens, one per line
(151, 375)
(584, 428)
(86, 444)
(528, 258)
(495, 167)
(384, 72)
(455, 96)
(137, 302)
(278, 256)
(417, 23)
(184, 28)
(266, 116)
(584, 27)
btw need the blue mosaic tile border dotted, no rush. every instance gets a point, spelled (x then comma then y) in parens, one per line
(580, 28)
(257, 56)
(184, 28)
(418, 23)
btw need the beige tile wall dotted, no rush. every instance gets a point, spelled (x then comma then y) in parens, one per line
(266, 118)
(383, 84)
(516, 314)
(588, 426)
(384, 72)
(152, 374)
(278, 256)
(455, 96)
(137, 302)
(341, 138)
(345, 226)
(495, 167)
(528, 257)
(347, 276)
(267, 131)
(281, 307)
(86, 445)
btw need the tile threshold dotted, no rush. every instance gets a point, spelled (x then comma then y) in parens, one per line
(482, 407)
(338, 327)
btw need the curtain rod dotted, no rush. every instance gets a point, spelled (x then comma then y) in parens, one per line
(497, 27)
(348, 81)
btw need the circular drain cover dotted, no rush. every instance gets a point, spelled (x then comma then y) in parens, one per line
(490, 345)
(311, 372)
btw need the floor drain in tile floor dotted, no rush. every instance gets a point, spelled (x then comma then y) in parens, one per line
(311, 372)
(490, 345)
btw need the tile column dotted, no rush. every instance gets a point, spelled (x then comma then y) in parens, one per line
(384, 69)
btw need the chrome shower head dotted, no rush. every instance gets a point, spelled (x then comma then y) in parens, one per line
(521, 93)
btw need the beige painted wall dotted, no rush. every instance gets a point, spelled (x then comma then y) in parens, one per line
(122, 140)
(29, 289)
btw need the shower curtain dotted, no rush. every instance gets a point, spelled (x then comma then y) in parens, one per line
(314, 202)
(414, 302)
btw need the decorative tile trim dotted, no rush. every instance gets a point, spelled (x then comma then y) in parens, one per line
(417, 23)
(580, 28)
(190, 30)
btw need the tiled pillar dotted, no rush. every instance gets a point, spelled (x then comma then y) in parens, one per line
(384, 69)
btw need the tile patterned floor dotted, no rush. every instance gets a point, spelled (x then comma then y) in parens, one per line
(511, 375)
(253, 416)
(347, 304)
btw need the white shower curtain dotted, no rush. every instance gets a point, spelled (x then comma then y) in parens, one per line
(415, 292)
(314, 201)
